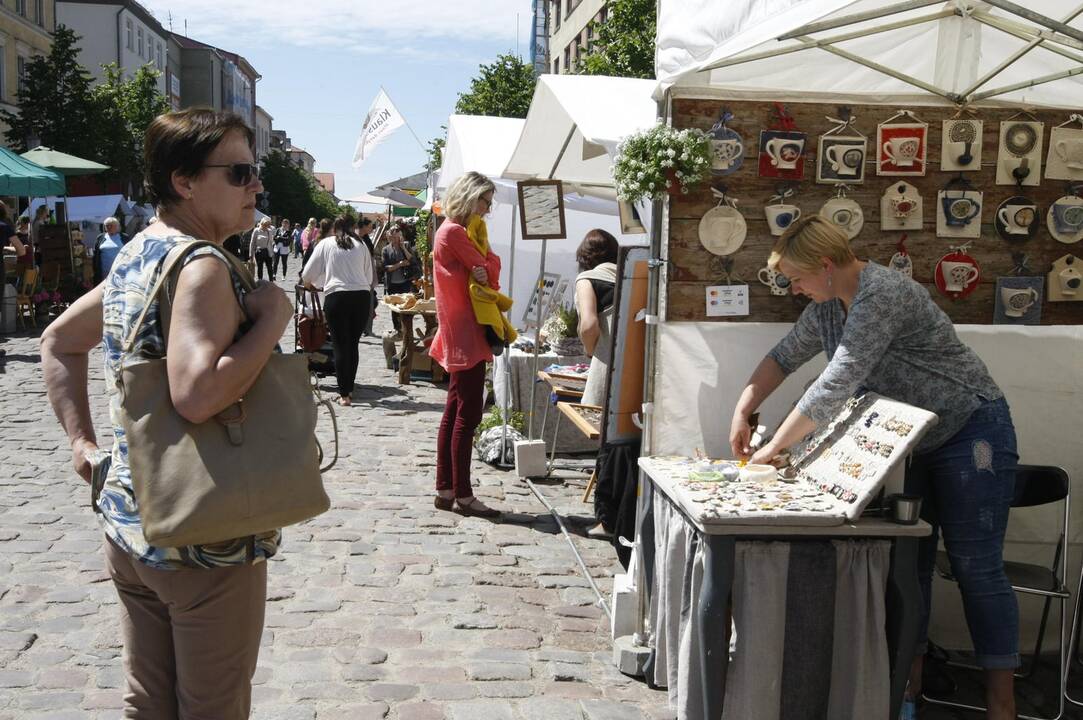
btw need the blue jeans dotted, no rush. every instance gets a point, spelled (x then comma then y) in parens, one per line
(968, 484)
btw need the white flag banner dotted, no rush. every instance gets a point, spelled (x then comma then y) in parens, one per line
(383, 118)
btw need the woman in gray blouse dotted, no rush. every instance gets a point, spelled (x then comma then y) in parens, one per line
(881, 332)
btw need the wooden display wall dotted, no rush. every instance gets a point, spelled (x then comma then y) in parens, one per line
(692, 268)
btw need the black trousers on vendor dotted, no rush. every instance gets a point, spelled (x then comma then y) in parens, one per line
(345, 311)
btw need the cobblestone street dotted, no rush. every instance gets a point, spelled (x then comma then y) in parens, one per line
(382, 607)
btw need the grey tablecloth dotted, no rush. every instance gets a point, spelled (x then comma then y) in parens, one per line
(522, 380)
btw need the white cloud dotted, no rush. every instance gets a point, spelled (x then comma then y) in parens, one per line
(365, 26)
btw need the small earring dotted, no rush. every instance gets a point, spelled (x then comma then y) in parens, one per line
(830, 279)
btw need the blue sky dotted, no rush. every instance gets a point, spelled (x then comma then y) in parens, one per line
(323, 61)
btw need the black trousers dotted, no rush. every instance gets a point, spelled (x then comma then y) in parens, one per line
(280, 259)
(345, 311)
(263, 259)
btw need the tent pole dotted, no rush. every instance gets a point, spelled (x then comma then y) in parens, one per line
(1028, 83)
(860, 17)
(1025, 33)
(507, 356)
(809, 44)
(1035, 42)
(537, 341)
(1009, 25)
(908, 79)
(1038, 18)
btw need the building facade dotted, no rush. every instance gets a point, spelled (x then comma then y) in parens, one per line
(570, 31)
(216, 78)
(117, 31)
(302, 159)
(263, 130)
(26, 31)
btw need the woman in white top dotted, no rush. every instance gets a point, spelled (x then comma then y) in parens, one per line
(341, 268)
(260, 248)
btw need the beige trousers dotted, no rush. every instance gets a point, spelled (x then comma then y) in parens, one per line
(191, 637)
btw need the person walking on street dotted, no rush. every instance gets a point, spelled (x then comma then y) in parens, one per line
(341, 268)
(282, 244)
(309, 236)
(295, 240)
(191, 617)
(364, 230)
(460, 345)
(399, 263)
(259, 249)
(106, 248)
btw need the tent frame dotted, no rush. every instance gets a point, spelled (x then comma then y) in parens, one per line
(1057, 33)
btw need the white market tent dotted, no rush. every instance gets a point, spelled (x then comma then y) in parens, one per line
(92, 208)
(573, 127)
(916, 52)
(919, 50)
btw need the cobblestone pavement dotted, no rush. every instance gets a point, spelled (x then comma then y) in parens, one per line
(381, 608)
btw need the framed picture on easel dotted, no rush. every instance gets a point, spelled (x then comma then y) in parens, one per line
(630, 222)
(541, 204)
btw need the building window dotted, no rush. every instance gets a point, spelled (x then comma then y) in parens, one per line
(568, 58)
(556, 66)
(3, 73)
(590, 37)
(128, 27)
(158, 47)
(20, 7)
(603, 15)
(21, 71)
(555, 14)
(139, 42)
(39, 12)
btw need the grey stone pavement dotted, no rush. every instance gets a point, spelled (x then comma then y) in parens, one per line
(381, 608)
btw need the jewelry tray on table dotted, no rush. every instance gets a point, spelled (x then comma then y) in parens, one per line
(839, 470)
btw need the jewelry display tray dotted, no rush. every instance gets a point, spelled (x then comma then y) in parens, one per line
(839, 470)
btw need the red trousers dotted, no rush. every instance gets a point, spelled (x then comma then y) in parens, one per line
(455, 441)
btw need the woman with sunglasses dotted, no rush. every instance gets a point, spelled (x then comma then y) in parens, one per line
(191, 617)
(260, 247)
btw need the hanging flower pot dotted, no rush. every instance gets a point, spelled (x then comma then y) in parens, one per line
(660, 161)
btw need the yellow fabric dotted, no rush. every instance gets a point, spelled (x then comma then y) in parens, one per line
(489, 305)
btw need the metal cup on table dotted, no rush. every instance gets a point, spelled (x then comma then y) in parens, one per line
(903, 508)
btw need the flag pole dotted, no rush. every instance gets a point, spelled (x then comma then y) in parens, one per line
(406, 122)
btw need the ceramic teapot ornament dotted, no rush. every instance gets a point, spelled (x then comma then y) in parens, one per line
(901, 260)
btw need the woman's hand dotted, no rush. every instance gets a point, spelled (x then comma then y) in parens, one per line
(481, 275)
(740, 436)
(81, 452)
(268, 301)
(765, 455)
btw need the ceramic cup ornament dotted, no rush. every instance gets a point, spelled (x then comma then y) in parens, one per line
(726, 153)
(722, 230)
(903, 206)
(959, 211)
(1065, 219)
(1017, 301)
(780, 216)
(1070, 281)
(902, 262)
(1017, 219)
(1070, 151)
(845, 161)
(845, 213)
(775, 281)
(902, 151)
(785, 152)
(957, 274)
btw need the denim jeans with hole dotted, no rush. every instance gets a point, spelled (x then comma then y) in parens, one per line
(968, 484)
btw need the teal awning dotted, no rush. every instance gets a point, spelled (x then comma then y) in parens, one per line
(22, 178)
(63, 163)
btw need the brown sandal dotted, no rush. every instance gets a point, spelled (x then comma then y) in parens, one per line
(472, 507)
(443, 503)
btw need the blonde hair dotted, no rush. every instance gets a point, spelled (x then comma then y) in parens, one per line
(311, 222)
(265, 222)
(462, 197)
(808, 241)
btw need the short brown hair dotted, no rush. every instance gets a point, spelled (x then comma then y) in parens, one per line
(597, 247)
(181, 142)
(810, 239)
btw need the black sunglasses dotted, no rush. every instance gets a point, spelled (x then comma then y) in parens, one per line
(240, 174)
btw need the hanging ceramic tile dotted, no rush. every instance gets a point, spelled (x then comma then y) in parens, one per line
(781, 213)
(960, 145)
(1017, 219)
(1018, 297)
(957, 274)
(1065, 219)
(840, 157)
(727, 147)
(845, 213)
(1064, 283)
(782, 148)
(1065, 159)
(901, 207)
(901, 145)
(722, 229)
(901, 260)
(1019, 160)
(958, 210)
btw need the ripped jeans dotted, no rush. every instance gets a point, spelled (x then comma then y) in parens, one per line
(968, 484)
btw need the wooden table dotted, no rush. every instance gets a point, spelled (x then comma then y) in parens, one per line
(410, 345)
(903, 601)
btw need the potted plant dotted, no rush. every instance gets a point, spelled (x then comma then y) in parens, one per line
(661, 160)
(561, 330)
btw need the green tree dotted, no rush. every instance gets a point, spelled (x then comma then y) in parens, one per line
(624, 43)
(503, 89)
(55, 104)
(294, 194)
(436, 152)
(124, 109)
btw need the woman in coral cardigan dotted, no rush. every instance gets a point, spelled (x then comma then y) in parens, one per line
(460, 345)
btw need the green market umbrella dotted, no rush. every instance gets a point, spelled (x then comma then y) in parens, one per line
(63, 163)
(25, 178)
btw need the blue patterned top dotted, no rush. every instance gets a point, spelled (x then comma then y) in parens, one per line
(127, 286)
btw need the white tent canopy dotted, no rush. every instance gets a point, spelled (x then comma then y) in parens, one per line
(91, 208)
(573, 127)
(876, 50)
(482, 144)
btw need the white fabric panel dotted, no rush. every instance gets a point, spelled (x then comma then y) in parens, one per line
(949, 53)
(479, 143)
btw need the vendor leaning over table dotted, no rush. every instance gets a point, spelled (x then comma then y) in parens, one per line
(883, 333)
